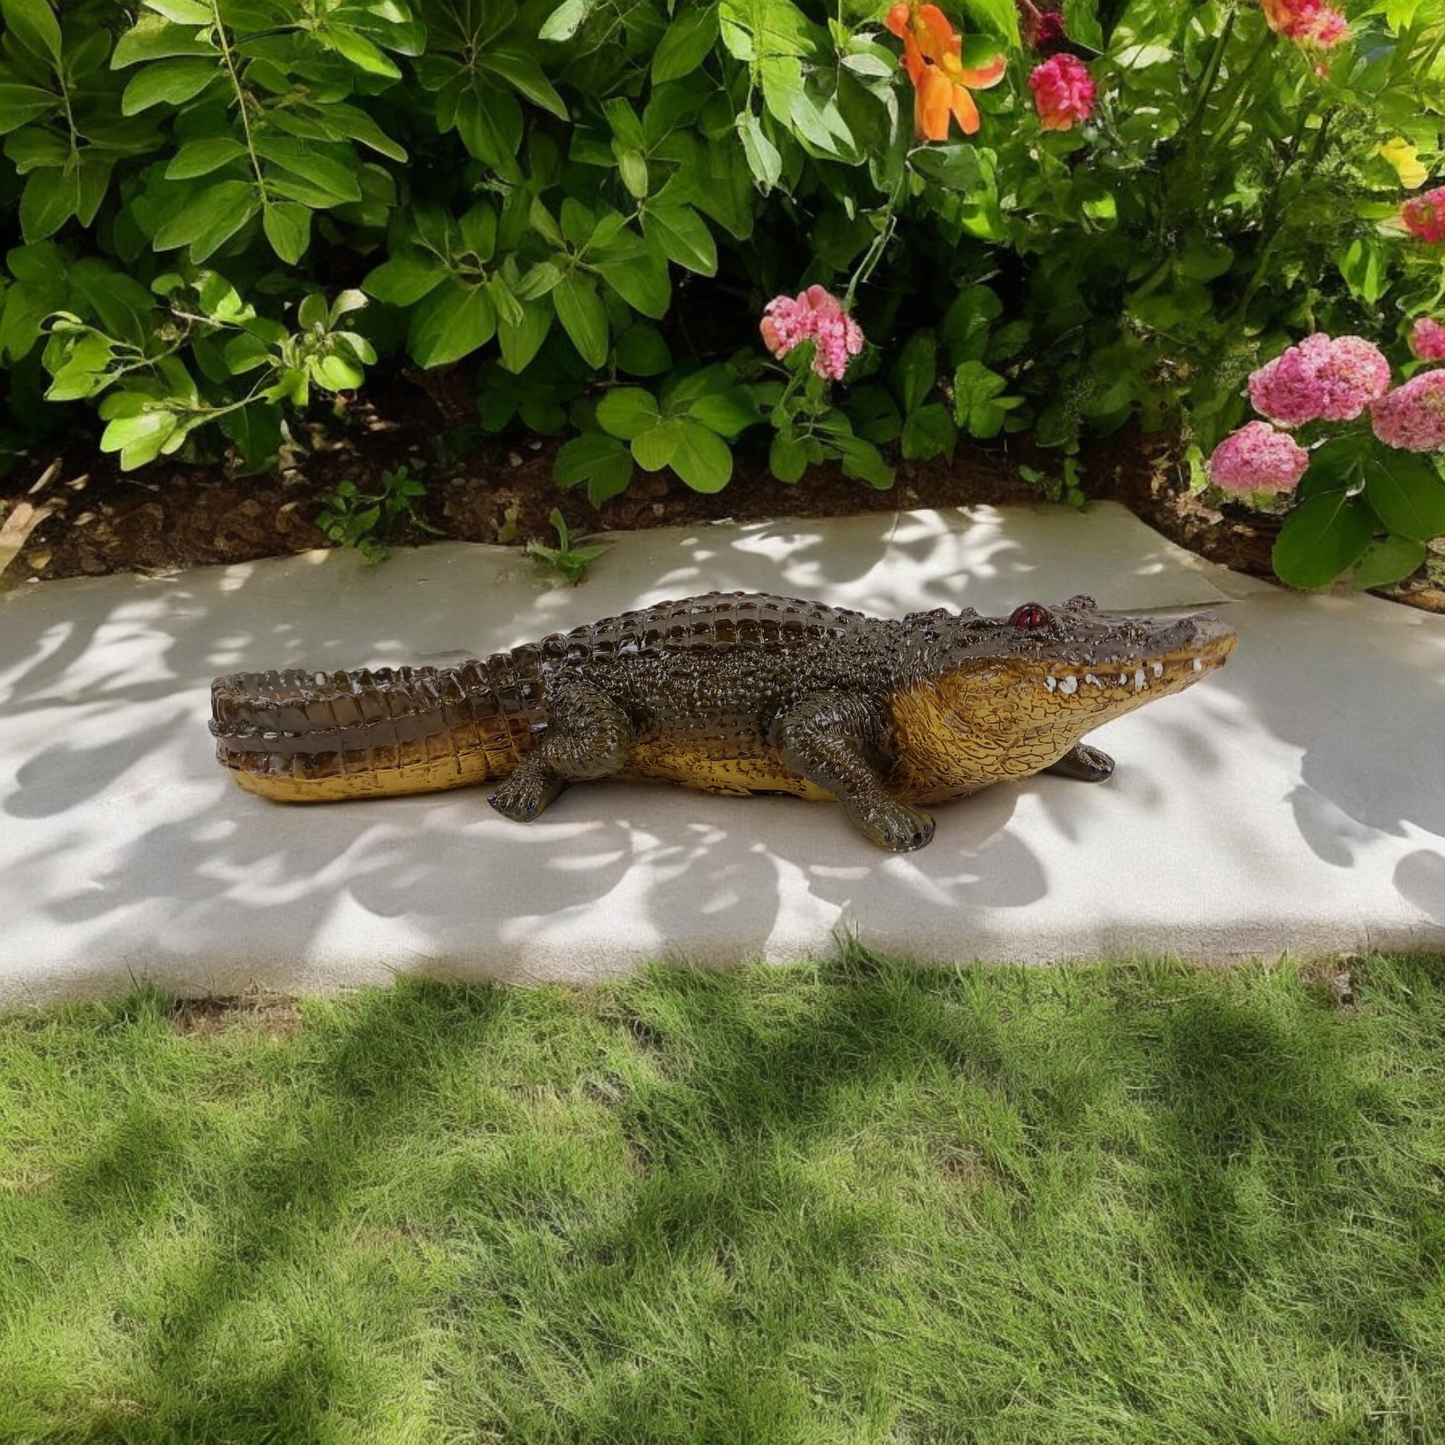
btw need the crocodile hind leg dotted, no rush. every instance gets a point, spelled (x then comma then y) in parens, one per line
(1086, 764)
(828, 739)
(588, 736)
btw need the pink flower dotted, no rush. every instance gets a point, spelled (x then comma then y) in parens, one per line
(1043, 27)
(1412, 417)
(1306, 22)
(812, 315)
(1321, 379)
(1063, 91)
(1257, 458)
(1427, 339)
(1424, 216)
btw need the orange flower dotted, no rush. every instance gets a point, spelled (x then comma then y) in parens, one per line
(933, 58)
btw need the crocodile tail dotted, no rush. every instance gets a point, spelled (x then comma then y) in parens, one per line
(323, 736)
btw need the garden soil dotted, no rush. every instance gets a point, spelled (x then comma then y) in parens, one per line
(71, 512)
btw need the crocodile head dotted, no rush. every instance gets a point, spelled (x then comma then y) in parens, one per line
(1009, 696)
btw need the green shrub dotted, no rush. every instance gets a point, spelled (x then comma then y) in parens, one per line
(591, 203)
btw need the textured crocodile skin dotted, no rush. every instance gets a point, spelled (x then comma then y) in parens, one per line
(729, 693)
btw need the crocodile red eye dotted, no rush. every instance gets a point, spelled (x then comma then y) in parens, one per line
(1030, 617)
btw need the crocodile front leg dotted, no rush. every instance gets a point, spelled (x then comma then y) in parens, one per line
(1083, 763)
(588, 736)
(828, 739)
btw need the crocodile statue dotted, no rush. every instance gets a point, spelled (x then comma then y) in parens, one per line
(732, 692)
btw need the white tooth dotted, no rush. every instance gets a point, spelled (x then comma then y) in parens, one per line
(1068, 684)
(1139, 678)
(1158, 669)
(1198, 665)
(1050, 683)
(1123, 678)
(1089, 677)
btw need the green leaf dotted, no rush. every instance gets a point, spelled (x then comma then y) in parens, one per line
(201, 157)
(245, 353)
(632, 168)
(347, 121)
(763, 158)
(975, 408)
(451, 323)
(874, 413)
(46, 204)
(863, 461)
(209, 219)
(914, 373)
(1363, 266)
(700, 457)
(22, 103)
(153, 39)
(138, 438)
(641, 351)
(1321, 538)
(1081, 23)
(1387, 560)
(168, 82)
(564, 22)
(653, 448)
(33, 24)
(308, 173)
(364, 54)
(603, 462)
(728, 412)
(999, 16)
(967, 323)
(288, 229)
(1406, 494)
(523, 73)
(788, 457)
(521, 339)
(490, 125)
(583, 316)
(928, 432)
(683, 237)
(686, 43)
(182, 12)
(336, 373)
(256, 432)
(639, 276)
(405, 279)
(627, 411)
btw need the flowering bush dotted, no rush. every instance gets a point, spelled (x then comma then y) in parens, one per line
(1361, 491)
(1058, 220)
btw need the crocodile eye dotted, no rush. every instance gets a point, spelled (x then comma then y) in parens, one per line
(1030, 617)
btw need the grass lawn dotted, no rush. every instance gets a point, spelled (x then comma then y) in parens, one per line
(849, 1203)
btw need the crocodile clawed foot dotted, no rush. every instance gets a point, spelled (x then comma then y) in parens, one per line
(899, 827)
(527, 792)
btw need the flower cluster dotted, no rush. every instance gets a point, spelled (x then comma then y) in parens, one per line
(1332, 379)
(1427, 339)
(1063, 91)
(1412, 417)
(933, 58)
(813, 315)
(1257, 458)
(1322, 379)
(1307, 22)
(1424, 216)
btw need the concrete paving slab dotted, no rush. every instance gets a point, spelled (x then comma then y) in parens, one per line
(1294, 801)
